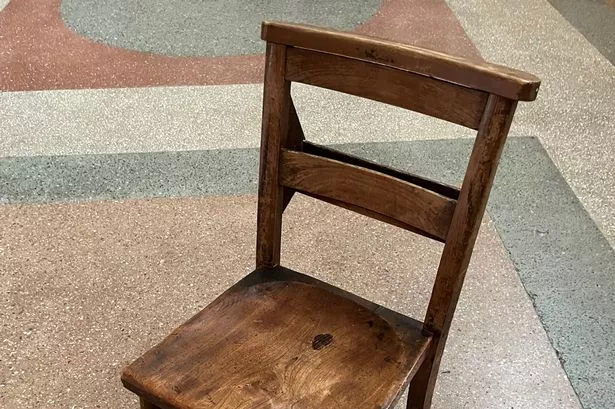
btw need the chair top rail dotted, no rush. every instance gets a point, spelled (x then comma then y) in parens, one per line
(491, 78)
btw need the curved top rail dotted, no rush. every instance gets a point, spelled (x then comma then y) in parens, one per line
(491, 78)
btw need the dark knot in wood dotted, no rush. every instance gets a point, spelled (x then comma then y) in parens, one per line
(322, 340)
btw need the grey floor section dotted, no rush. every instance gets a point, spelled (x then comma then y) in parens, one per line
(595, 19)
(43, 179)
(563, 260)
(566, 265)
(178, 28)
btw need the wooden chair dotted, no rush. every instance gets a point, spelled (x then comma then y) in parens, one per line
(281, 339)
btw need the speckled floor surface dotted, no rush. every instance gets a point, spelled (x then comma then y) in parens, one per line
(89, 286)
(39, 51)
(179, 28)
(83, 293)
(594, 19)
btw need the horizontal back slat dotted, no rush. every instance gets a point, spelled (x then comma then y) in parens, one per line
(491, 78)
(375, 215)
(454, 103)
(420, 208)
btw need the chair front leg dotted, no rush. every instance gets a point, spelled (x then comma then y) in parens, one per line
(422, 384)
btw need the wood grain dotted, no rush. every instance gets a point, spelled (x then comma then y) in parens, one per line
(375, 215)
(428, 96)
(280, 339)
(281, 343)
(460, 240)
(374, 191)
(491, 78)
(276, 109)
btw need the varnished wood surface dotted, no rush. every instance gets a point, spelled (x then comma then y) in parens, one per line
(374, 191)
(279, 339)
(491, 78)
(276, 113)
(375, 215)
(422, 94)
(466, 222)
(457, 251)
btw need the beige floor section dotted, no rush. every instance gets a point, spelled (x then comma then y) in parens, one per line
(193, 118)
(88, 287)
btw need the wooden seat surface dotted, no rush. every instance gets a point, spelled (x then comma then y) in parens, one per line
(280, 339)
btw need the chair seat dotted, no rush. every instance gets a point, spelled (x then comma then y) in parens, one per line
(280, 339)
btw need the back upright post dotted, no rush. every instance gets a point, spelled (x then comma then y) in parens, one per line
(276, 110)
(461, 237)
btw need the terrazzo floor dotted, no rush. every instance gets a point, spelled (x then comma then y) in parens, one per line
(128, 171)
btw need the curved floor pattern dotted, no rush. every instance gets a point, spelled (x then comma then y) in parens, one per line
(39, 52)
(202, 28)
(59, 313)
